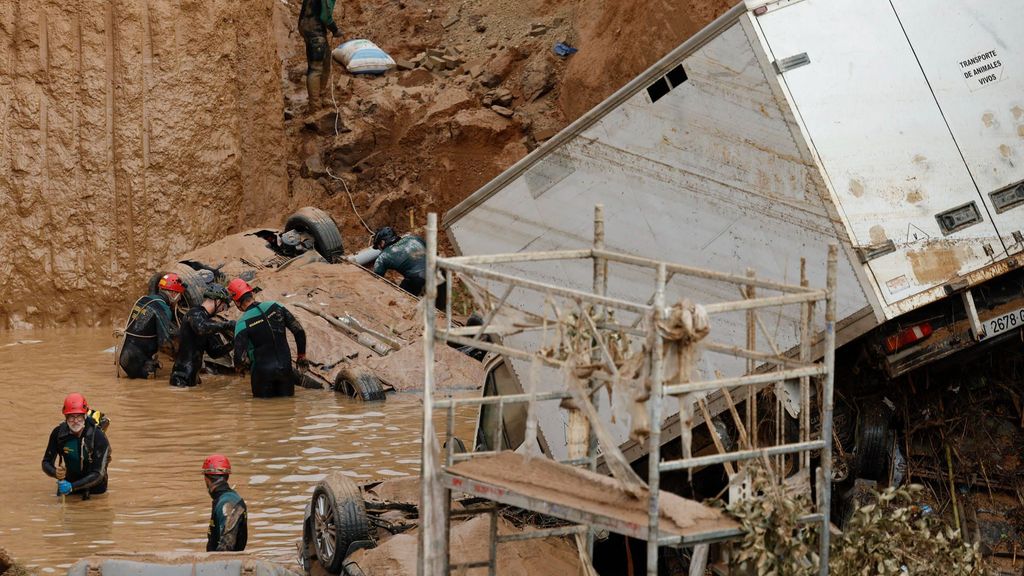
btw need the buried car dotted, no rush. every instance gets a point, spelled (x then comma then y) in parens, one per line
(364, 334)
(371, 530)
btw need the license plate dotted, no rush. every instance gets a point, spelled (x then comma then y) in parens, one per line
(1003, 323)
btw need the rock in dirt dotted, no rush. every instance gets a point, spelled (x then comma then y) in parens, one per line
(538, 77)
(324, 122)
(417, 77)
(502, 111)
(313, 167)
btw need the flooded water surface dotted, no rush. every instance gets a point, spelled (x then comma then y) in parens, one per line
(160, 435)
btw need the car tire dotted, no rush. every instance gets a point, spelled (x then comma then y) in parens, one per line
(873, 457)
(322, 228)
(458, 446)
(360, 384)
(339, 519)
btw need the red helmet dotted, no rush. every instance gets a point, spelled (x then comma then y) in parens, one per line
(75, 404)
(238, 288)
(172, 282)
(216, 465)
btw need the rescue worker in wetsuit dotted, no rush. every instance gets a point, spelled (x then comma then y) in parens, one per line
(316, 17)
(151, 328)
(406, 255)
(199, 335)
(262, 345)
(77, 452)
(228, 531)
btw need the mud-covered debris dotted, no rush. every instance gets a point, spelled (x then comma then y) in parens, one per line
(538, 29)
(502, 111)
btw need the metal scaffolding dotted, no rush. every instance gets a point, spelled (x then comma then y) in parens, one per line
(595, 341)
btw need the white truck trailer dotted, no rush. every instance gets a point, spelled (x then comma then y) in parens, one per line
(894, 128)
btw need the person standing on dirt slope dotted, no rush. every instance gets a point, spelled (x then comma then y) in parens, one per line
(80, 449)
(150, 328)
(262, 345)
(199, 336)
(315, 18)
(406, 255)
(228, 530)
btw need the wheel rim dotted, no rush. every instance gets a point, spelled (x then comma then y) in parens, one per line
(325, 529)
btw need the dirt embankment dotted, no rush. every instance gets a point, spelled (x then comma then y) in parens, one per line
(129, 133)
(132, 132)
(422, 140)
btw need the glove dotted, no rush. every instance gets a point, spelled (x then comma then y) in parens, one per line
(61, 473)
(301, 362)
(335, 31)
(63, 487)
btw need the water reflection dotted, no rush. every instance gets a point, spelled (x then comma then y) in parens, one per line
(159, 436)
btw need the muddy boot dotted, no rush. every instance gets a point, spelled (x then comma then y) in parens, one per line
(313, 90)
(325, 82)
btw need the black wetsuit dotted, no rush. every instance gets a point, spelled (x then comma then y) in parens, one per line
(228, 530)
(198, 336)
(85, 457)
(408, 257)
(150, 329)
(261, 344)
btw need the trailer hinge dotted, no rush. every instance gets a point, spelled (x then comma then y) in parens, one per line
(790, 62)
(867, 253)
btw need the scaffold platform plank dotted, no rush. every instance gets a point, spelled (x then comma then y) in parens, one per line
(545, 486)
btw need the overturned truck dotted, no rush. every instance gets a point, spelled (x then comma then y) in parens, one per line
(890, 128)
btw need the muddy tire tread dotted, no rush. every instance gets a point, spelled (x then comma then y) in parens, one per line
(349, 516)
(322, 227)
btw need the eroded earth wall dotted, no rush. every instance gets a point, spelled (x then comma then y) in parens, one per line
(130, 132)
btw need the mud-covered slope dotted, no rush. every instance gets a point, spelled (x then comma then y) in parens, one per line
(129, 133)
(134, 131)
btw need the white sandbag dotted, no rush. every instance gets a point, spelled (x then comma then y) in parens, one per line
(363, 57)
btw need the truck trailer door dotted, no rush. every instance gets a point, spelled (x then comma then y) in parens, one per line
(899, 182)
(970, 51)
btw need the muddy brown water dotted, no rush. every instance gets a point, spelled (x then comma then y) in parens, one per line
(159, 435)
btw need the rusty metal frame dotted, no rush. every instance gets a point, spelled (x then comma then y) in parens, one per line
(761, 368)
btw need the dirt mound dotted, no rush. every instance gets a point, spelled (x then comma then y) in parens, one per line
(131, 133)
(485, 87)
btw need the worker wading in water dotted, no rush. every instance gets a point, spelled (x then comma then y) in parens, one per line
(262, 345)
(78, 451)
(315, 18)
(406, 255)
(228, 530)
(198, 333)
(150, 328)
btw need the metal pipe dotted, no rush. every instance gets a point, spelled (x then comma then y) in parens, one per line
(492, 558)
(433, 553)
(749, 292)
(806, 313)
(548, 533)
(825, 487)
(513, 257)
(550, 289)
(699, 272)
(767, 377)
(601, 289)
(764, 302)
(654, 406)
(507, 399)
(698, 461)
(752, 354)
